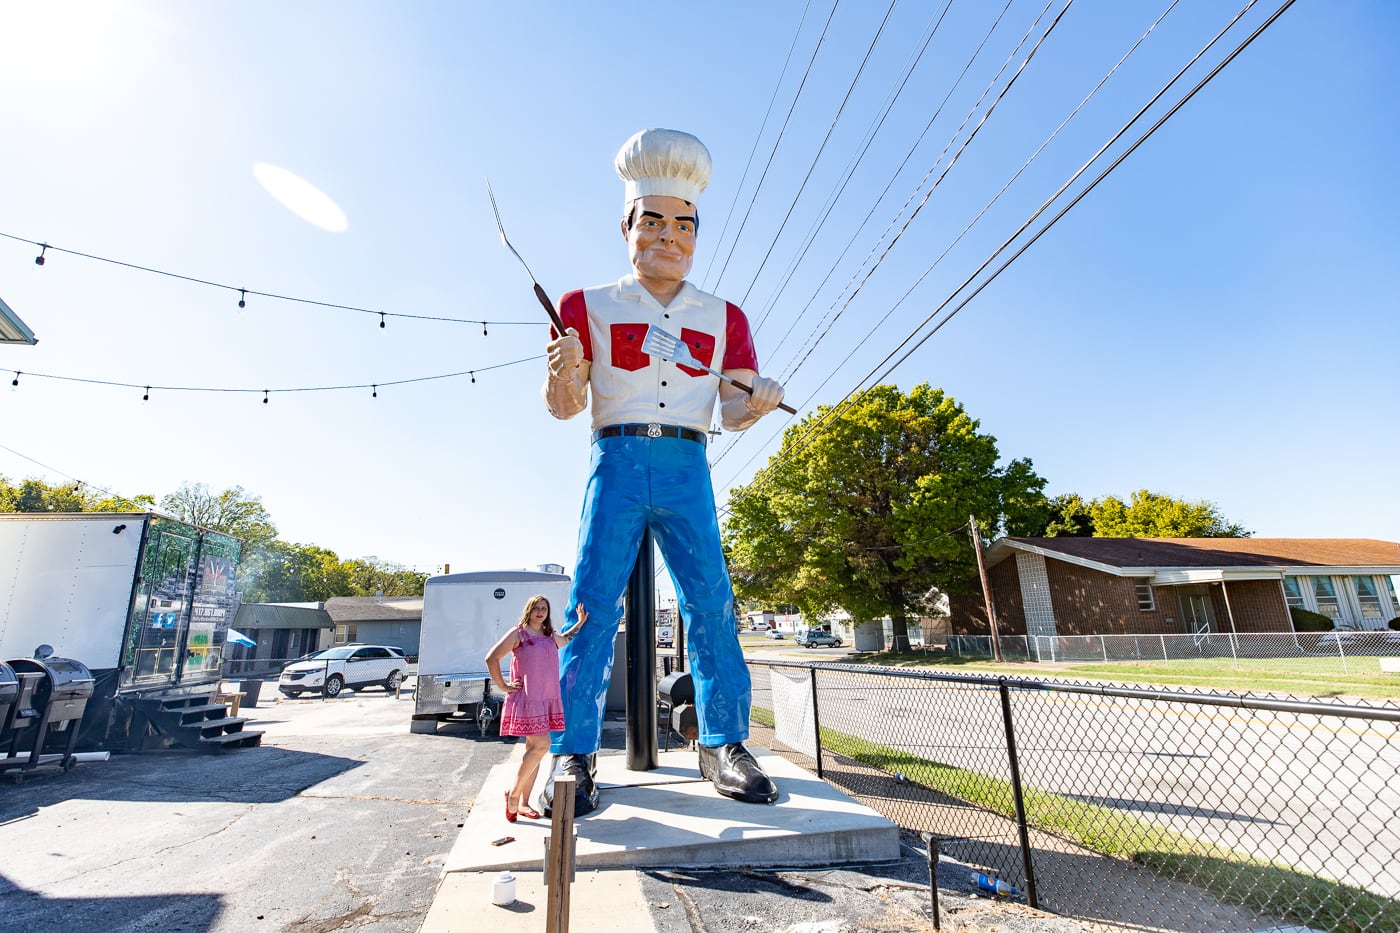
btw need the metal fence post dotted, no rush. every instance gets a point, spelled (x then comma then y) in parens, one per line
(816, 723)
(1021, 824)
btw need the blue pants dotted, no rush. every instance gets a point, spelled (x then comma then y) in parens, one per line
(662, 484)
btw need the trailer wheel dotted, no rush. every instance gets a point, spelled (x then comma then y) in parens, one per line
(334, 684)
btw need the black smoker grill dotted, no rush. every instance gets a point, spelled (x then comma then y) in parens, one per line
(52, 697)
(9, 693)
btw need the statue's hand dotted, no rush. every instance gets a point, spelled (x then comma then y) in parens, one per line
(767, 393)
(565, 354)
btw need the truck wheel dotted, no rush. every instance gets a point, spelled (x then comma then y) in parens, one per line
(393, 681)
(334, 684)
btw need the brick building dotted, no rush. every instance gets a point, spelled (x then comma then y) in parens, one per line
(1171, 586)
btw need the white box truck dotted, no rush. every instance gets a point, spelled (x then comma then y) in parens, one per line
(464, 615)
(142, 599)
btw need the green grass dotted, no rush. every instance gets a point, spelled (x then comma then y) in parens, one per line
(1233, 877)
(1298, 676)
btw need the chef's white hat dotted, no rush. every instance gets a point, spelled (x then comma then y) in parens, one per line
(663, 162)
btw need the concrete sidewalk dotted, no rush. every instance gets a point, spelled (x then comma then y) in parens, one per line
(666, 818)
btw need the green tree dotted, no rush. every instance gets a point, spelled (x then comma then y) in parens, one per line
(232, 511)
(370, 576)
(1151, 515)
(866, 508)
(1070, 517)
(33, 495)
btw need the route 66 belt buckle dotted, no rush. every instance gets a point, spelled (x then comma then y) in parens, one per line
(653, 430)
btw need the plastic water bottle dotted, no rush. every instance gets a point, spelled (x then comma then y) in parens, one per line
(992, 885)
(503, 890)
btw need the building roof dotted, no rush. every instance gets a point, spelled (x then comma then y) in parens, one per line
(375, 608)
(281, 615)
(1184, 560)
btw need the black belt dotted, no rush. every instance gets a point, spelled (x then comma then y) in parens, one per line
(650, 430)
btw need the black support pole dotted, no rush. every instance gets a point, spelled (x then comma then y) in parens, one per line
(1027, 863)
(641, 660)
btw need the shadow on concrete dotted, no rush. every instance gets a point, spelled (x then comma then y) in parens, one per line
(26, 910)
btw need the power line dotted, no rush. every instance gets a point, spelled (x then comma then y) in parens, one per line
(819, 424)
(772, 152)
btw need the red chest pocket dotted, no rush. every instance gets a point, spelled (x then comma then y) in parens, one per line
(626, 343)
(701, 346)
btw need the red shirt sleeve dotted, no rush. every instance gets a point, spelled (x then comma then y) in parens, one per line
(738, 342)
(573, 311)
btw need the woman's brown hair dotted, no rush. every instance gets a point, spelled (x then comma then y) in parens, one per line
(530, 607)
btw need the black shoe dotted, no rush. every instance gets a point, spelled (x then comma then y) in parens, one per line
(581, 768)
(733, 771)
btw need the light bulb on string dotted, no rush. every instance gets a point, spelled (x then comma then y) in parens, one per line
(473, 375)
(15, 381)
(242, 296)
(374, 393)
(483, 328)
(39, 259)
(147, 396)
(381, 318)
(264, 396)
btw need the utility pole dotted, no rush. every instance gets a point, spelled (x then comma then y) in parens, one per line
(986, 587)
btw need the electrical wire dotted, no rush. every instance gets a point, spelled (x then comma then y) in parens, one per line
(818, 423)
(748, 211)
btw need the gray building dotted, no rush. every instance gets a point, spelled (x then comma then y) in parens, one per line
(378, 620)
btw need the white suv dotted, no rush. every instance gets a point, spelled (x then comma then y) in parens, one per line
(353, 666)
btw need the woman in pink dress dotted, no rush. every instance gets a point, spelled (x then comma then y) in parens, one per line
(532, 707)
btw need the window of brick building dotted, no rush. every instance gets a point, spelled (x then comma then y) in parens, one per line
(1144, 595)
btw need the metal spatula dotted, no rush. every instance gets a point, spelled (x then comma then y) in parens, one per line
(668, 347)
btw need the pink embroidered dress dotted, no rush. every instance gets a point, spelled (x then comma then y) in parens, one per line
(536, 707)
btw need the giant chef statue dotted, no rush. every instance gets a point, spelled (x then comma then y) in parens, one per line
(648, 469)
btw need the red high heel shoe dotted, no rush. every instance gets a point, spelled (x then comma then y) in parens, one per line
(510, 814)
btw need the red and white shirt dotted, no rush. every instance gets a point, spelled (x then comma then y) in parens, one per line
(628, 386)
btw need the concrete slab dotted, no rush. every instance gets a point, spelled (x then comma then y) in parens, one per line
(598, 900)
(671, 818)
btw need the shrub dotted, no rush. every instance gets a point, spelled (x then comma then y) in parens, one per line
(1307, 621)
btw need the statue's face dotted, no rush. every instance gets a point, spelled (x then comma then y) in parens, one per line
(661, 242)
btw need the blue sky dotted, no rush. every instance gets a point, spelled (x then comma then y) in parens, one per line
(1216, 320)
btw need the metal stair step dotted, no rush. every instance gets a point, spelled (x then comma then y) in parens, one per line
(248, 738)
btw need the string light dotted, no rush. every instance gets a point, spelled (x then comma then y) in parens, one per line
(147, 396)
(373, 387)
(243, 293)
(483, 328)
(381, 318)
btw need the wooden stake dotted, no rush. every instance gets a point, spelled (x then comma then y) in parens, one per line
(559, 856)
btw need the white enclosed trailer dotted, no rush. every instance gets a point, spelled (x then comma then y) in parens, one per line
(464, 615)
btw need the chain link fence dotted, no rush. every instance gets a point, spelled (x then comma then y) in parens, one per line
(1124, 808)
(1348, 651)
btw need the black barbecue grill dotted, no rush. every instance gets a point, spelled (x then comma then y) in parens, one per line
(52, 696)
(9, 693)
